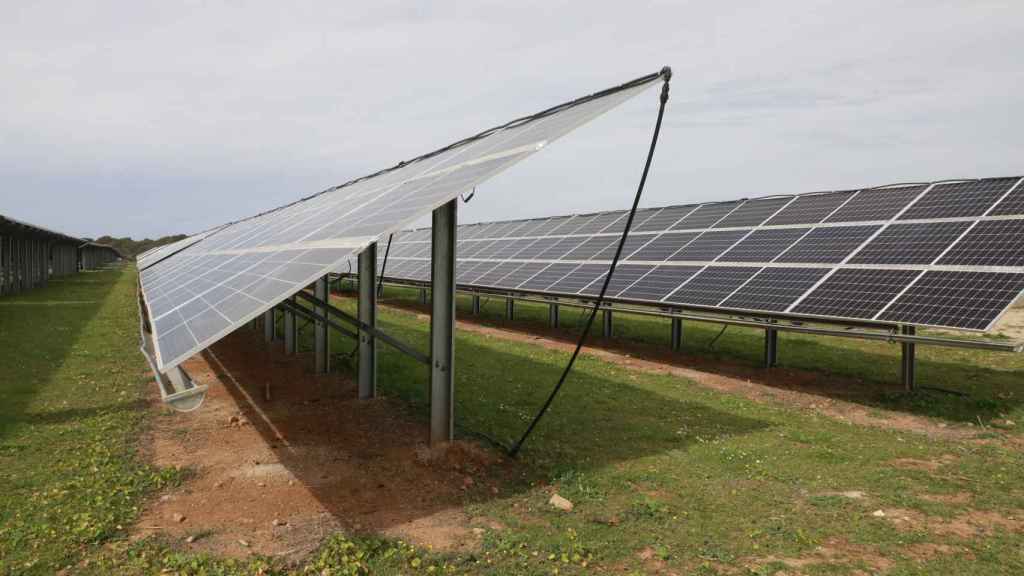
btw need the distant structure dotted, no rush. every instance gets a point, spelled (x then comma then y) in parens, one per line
(30, 255)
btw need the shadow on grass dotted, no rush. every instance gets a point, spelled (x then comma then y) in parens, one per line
(987, 384)
(602, 418)
(37, 334)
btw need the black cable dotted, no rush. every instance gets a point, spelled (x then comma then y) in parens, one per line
(711, 345)
(383, 267)
(666, 74)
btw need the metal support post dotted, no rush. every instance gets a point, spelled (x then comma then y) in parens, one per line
(771, 347)
(442, 323)
(321, 345)
(476, 304)
(510, 308)
(290, 331)
(268, 326)
(908, 361)
(368, 316)
(423, 295)
(553, 315)
(677, 334)
(606, 324)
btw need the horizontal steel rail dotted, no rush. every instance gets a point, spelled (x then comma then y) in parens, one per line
(376, 332)
(892, 335)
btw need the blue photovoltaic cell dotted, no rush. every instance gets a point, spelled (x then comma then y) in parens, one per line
(810, 208)
(659, 282)
(663, 246)
(709, 245)
(706, 216)
(753, 212)
(959, 199)
(970, 300)
(711, 285)
(855, 293)
(827, 245)
(992, 243)
(910, 243)
(774, 289)
(878, 204)
(763, 245)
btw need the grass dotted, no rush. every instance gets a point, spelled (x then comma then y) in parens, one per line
(665, 475)
(70, 415)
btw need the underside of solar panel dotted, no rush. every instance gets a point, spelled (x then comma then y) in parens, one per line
(201, 288)
(943, 254)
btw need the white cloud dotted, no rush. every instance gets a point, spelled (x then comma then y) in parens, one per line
(129, 119)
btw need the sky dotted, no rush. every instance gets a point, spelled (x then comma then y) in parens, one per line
(145, 119)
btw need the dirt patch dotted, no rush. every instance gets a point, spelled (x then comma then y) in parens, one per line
(969, 525)
(276, 477)
(793, 388)
(833, 552)
(959, 498)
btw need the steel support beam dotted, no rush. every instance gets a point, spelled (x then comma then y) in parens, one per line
(269, 326)
(290, 330)
(476, 304)
(677, 334)
(423, 295)
(442, 323)
(368, 316)
(553, 315)
(908, 361)
(771, 347)
(510, 308)
(321, 340)
(606, 324)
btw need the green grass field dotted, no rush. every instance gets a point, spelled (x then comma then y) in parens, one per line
(666, 476)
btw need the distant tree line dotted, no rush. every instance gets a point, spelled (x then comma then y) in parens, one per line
(131, 248)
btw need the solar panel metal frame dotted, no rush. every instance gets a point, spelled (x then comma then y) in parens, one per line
(878, 227)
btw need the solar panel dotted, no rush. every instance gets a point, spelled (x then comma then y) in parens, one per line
(664, 218)
(548, 276)
(804, 255)
(633, 243)
(709, 245)
(854, 293)
(274, 255)
(910, 243)
(1012, 204)
(959, 199)
(710, 285)
(764, 245)
(624, 275)
(877, 204)
(753, 213)
(706, 216)
(827, 245)
(991, 243)
(948, 298)
(810, 208)
(663, 246)
(658, 283)
(774, 289)
(579, 278)
(592, 246)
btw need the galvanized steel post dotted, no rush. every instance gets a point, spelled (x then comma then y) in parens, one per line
(677, 334)
(908, 361)
(368, 316)
(322, 340)
(442, 323)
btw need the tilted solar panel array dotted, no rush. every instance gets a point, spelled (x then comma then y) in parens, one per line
(946, 254)
(231, 275)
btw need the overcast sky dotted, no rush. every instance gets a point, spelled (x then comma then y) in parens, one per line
(126, 119)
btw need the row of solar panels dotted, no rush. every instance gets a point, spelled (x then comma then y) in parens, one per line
(800, 255)
(202, 289)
